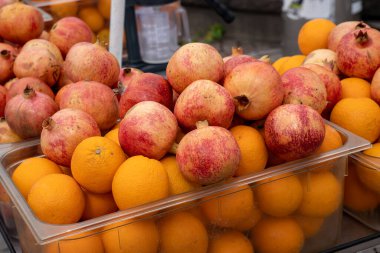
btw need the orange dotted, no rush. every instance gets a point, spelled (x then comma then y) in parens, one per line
(370, 177)
(92, 17)
(177, 182)
(103, 37)
(94, 163)
(353, 87)
(331, 141)
(273, 235)
(253, 152)
(309, 225)
(30, 171)
(357, 197)
(131, 236)
(322, 194)
(57, 199)
(113, 135)
(278, 196)
(358, 115)
(139, 180)
(230, 241)
(250, 222)
(98, 205)
(65, 9)
(314, 35)
(373, 151)
(82, 243)
(182, 232)
(229, 208)
(279, 62)
(293, 62)
(104, 7)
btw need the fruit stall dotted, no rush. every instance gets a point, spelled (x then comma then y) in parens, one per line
(122, 131)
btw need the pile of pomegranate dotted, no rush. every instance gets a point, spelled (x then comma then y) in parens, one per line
(61, 88)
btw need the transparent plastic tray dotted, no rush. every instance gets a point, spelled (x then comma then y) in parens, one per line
(35, 235)
(369, 218)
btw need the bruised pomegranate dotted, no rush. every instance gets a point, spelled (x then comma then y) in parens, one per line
(7, 135)
(95, 98)
(7, 57)
(375, 86)
(91, 62)
(3, 99)
(194, 61)
(358, 53)
(148, 129)
(342, 29)
(63, 131)
(40, 59)
(204, 100)
(20, 23)
(303, 86)
(126, 76)
(256, 89)
(36, 84)
(68, 31)
(293, 131)
(332, 84)
(146, 87)
(26, 112)
(324, 57)
(208, 154)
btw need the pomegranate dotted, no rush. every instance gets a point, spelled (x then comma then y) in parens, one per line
(303, 86)
(63, 131)
(194, 61)
(126, 76)
(91, 62)
(235, 61)
(256, 89)
(204, 100)
(10, 83)
(375, 86)
(358, 53)
(95, 98)
(3, 99)
(40, 59)
(148, 129)
(44, 35)
(6, 133)
(234, 52)
(342, 29)
(293, 131)
(6, 2)
(323, 57)
(332, 84)
(63, 79)
(7, 57)
(20, 23)
(208, 154)
(68, 31)
(146, 87)
(26, 112)
(36, 84)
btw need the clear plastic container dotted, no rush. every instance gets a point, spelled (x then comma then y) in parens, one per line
(208, 206)
(363, 203)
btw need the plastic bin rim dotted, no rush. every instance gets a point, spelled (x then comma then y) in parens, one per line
(45, 233)
(366, 160)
